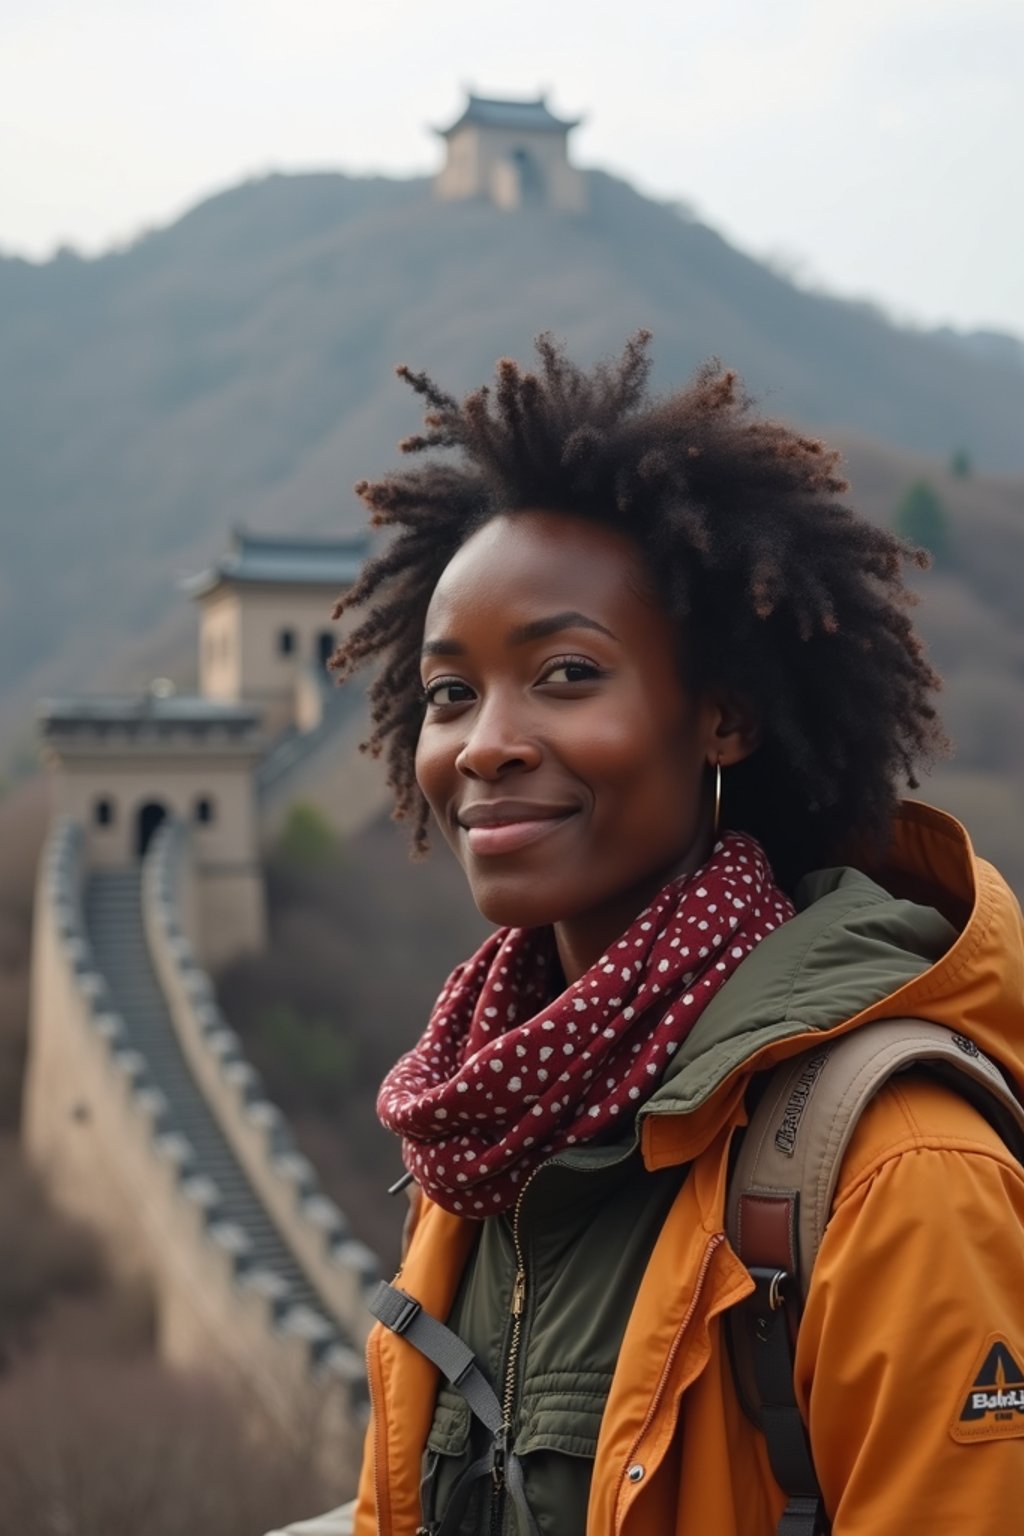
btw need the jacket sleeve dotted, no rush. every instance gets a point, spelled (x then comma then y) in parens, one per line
(914, 1331)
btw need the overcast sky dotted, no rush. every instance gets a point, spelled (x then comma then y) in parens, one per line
(873, 146)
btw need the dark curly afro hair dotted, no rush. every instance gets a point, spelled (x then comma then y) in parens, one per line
(785, 597)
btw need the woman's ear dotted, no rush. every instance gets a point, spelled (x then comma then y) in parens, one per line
(735, 730)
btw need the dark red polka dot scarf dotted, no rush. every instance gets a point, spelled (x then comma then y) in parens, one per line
(505, 1075)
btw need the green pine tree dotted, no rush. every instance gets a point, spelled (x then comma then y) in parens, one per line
(922, 519)
(307, 838)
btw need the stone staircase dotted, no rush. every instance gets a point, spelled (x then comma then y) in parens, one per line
(113, 921)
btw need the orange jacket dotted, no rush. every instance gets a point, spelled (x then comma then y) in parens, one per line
(916, 1305)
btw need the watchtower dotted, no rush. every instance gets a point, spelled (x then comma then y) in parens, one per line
(265, 629)
(515, 153)
(121, 766)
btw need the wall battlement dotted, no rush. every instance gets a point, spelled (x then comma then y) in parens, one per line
(338, 1265)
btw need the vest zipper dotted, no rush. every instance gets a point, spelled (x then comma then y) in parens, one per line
(508, 1400)
(709, 1252)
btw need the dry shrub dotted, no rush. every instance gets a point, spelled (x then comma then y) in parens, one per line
(985, 716)
(117, 1321)
(356, 1160)
(44, 1254)
(14, 997)
(101, 1449)
(991, 805)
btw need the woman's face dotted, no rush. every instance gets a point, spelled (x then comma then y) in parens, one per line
(561, 753)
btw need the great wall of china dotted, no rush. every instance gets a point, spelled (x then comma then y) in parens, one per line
(141, 1111)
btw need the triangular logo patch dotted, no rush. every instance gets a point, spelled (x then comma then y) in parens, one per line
(991, 1406)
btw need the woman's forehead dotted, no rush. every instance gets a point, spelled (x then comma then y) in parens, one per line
(543, 557)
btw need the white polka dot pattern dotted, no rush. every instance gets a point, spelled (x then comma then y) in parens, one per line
(505, 1075)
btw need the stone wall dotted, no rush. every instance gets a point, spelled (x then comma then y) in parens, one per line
(95, 1127)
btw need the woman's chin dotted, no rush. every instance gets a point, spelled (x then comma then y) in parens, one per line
(510, 905)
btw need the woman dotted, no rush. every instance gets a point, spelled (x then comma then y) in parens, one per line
(657, 687)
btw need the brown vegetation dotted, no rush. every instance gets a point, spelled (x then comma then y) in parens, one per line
(131, 1449)
(972, 618)
(44, 1256)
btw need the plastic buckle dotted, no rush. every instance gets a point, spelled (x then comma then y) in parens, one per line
(407, 1313)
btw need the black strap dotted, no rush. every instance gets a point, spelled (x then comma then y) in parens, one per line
(800, 1518)
(402, 1314)
(773, 1370)
(770, 1316)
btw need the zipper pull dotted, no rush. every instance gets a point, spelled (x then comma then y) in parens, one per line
(518, 1293)
(499, 1454)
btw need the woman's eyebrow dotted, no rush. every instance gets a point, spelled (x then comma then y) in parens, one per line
(442, 648)
(537, 629)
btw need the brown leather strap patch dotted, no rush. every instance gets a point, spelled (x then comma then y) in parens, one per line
(767, 1228)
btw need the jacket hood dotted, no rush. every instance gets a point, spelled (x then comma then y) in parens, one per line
(926, 930)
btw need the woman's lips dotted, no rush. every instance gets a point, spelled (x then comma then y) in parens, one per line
(504, 827)
(508, 836)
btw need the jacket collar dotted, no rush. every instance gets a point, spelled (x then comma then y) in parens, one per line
(922, 928)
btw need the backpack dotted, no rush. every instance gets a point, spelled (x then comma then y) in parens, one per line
(780, 1199)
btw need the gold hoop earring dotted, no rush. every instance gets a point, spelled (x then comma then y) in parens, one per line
(718, 795)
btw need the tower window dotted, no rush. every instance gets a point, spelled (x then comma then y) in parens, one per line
(103, 813)
(286, 642)
(204, 811)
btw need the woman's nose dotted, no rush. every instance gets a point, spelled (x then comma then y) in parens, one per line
(497, 743)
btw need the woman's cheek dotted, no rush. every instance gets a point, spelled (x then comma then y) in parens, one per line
(427, 765)
(435, 769)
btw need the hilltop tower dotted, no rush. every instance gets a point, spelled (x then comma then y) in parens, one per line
(515, 153)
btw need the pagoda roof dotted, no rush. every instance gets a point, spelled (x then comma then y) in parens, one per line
(519, 116)
(273, 560)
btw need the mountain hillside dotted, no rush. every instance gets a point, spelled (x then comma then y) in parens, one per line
(237, 368)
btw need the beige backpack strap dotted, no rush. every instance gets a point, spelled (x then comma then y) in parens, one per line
(780, 1199)
(784, 1181)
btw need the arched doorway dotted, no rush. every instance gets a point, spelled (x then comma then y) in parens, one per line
(149, 818)
(530, 178)
(326, 644)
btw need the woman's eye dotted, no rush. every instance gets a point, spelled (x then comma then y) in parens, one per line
(446, 690)
(571, 669)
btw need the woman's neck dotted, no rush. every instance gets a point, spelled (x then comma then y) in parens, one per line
(580, 942)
